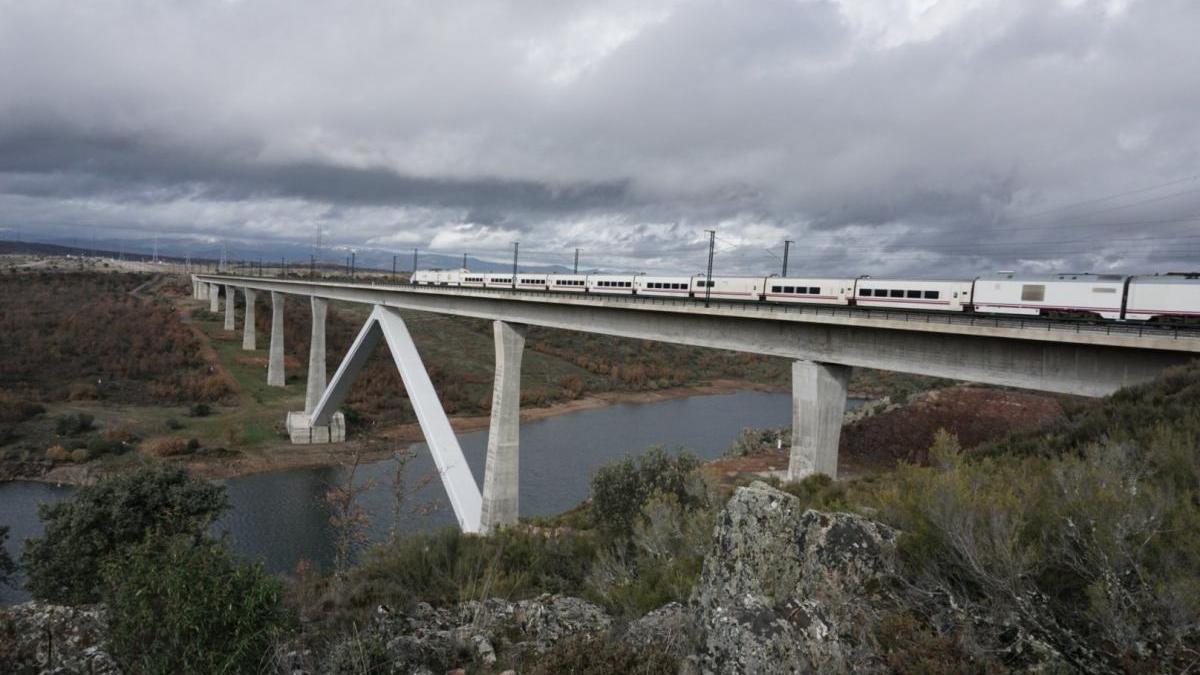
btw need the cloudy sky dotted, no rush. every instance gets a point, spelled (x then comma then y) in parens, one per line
(882, 136)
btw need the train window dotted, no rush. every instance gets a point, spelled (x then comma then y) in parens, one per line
(912, 294)
(789, 289)
(931, 295)
(1101, 289)
(1033, 292)
(777, 289)
(814, 290)
(896, 293)
(865, 292)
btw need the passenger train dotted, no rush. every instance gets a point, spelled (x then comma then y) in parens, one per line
(1162, 298)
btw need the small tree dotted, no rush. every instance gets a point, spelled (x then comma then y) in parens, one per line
(620, 489)
(7, 566)
(182, 604)
(107, 518)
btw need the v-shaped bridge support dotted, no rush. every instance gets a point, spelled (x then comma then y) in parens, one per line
(386, 322)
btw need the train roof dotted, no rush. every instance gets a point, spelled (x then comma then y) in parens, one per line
(1190, 279)
(1083, 277)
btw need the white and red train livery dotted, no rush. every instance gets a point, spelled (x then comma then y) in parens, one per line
(1163, 298)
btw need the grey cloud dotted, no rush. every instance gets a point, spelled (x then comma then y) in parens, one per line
(883, 137)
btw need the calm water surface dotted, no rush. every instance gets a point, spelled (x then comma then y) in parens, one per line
(281, 518)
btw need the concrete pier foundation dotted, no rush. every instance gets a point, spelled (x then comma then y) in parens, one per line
(301, 431)
(275, 375)
(818, 404)
(214, 298)
(316, 356)
(249, 338)
(230, 301)
(500, 476)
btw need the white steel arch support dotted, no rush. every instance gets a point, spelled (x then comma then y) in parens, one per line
(456, 475)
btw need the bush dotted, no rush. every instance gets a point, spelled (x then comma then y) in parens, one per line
(620, 490)
(180, 605)
(448, 566)
(108, 518)
(102, 445)
(200, 410)
(173, 424)
(80, 455)
(70, 425)
(13, 409)
(164, 446)
(7, 567)
(57, 453)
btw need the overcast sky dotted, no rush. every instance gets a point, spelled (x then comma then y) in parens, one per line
(916, 137)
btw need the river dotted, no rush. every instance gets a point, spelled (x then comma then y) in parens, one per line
(281, 518)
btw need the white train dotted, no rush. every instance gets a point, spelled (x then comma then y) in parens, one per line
(1162, 298)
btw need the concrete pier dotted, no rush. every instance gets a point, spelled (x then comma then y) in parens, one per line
(500, 476)
(214, 298)
(230, 301)
(316, 356)
(275, 375)
(818, 404)
(249, 338)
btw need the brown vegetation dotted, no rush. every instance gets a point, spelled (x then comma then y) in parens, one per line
(83, 336)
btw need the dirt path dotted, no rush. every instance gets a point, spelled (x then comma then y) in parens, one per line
(207, 351)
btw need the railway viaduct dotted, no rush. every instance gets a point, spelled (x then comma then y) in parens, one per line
(823, 342)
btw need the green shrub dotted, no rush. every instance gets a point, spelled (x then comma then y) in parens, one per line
(1098, 546)
(173, 424)
(200, 410)
(102, 445)
(107, 518)
(448, 566)
(7, 567)
(180, 604)
(70, 425)
(661, 560)
(620, 490)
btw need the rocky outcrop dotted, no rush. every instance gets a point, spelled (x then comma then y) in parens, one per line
(471, 633)
(668, 628)
(39, 638)
(785, 590)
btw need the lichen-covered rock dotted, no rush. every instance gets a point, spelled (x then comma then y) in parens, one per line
(784, 590)
(36, 637)
(472, 632)
(668, 628)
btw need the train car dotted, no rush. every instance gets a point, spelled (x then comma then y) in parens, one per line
(449, 277)
(611, 284)
(424, 278)
(1080, 296)
(809, 290)
(663, 286)
(945, 294)
(567, 283)
(498, 280)
(472, 279)
(728, 288)
(531, 282)
(1164, 298)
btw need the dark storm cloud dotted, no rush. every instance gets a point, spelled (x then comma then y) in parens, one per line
(903, 136)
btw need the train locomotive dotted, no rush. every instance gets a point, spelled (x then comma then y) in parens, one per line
(1161, 298)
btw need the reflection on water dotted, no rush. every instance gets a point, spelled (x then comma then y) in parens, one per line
(281, 518)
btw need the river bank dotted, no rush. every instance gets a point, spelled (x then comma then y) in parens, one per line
(380, 444)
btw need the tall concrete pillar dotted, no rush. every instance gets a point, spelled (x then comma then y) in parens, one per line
(214, 298)
(230, 298)
(275, 376)
(818, 404)
(500, 475)
(316, 356)
(249, 337)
